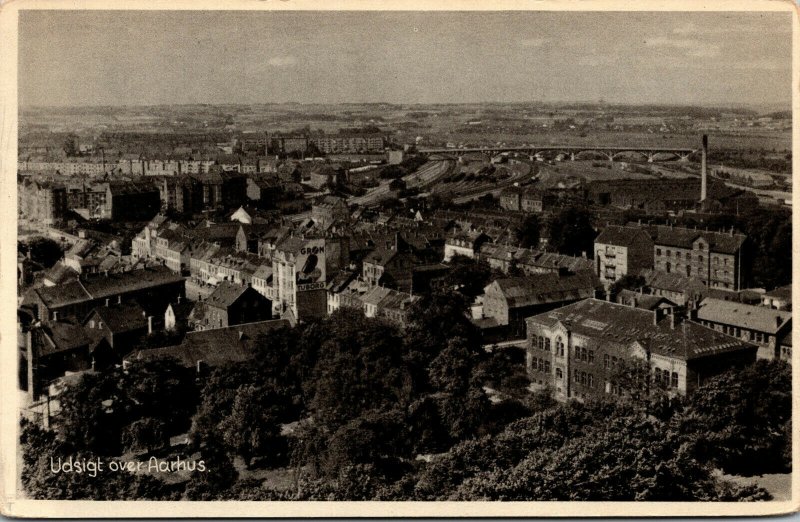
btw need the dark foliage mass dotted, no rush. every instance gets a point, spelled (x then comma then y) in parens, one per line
(43, 250)
(352, 408)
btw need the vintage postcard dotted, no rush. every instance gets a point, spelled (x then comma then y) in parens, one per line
(352, 259)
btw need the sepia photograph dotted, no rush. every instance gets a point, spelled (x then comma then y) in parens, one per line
(443, 258)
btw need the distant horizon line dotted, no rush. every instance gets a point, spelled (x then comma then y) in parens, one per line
(712, 105)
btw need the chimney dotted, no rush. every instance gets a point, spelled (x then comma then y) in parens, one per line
(55, 315)
(107, 301)
(703, 170)
(672, 320)
(149, 324)
(119, 299)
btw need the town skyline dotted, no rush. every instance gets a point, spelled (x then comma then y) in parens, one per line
(418, 58)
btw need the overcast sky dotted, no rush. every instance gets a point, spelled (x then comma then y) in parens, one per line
(148, 58)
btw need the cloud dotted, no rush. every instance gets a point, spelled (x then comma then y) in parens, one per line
(282, 61)
(532, 42)
(694, 48)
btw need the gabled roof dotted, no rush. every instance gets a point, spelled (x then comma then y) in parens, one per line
(723, 242)
(623, 236)
(544, 288)
(58, 337)
(120, 318)
(613, 323)
(215, 347)
(751, 317)
(225, 295)
(673, 282)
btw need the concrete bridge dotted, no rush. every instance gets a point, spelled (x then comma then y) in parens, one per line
(571, 151)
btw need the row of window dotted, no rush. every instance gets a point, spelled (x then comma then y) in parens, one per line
(759, 337)
(663, 377)
(582, 354)
(541, 365)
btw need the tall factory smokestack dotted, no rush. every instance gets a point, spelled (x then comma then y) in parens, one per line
(703, 170)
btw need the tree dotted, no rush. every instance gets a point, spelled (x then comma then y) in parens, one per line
(571, 231)
(739, 420)
(527, 233)
(44, 251)
(468, 275)
(146, 435)
(252, 429)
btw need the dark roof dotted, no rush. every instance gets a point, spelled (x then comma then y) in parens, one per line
(131, 187)
(120, 318)
(643, 301)
(782, 292)
(225, 295)
(723, 242)
(100, 286)
(619, 324)
(673, 282)
(215, 347)
(58, 337)
(545, 288)
(623, 236)
(121, 282)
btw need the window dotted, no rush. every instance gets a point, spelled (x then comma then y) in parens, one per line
(669, 267)
(688, 271)
(547, 344)
(559, 374)
(614, 362)
(583, 378)
(658, 251)
(576, 376)
(591, 356)
(700, 258)
(591, 380)
(669, 253)
(606, 361)
(678, 255)
(547, 367)
(688, 256)
(658, 375)
(674, 379)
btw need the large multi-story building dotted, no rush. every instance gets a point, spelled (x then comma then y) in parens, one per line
(583, 349)
(132, 201)
(41, 201)
(332, 144)
(619, 251)
(299, 277)
(715, 258)
(509, 300)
